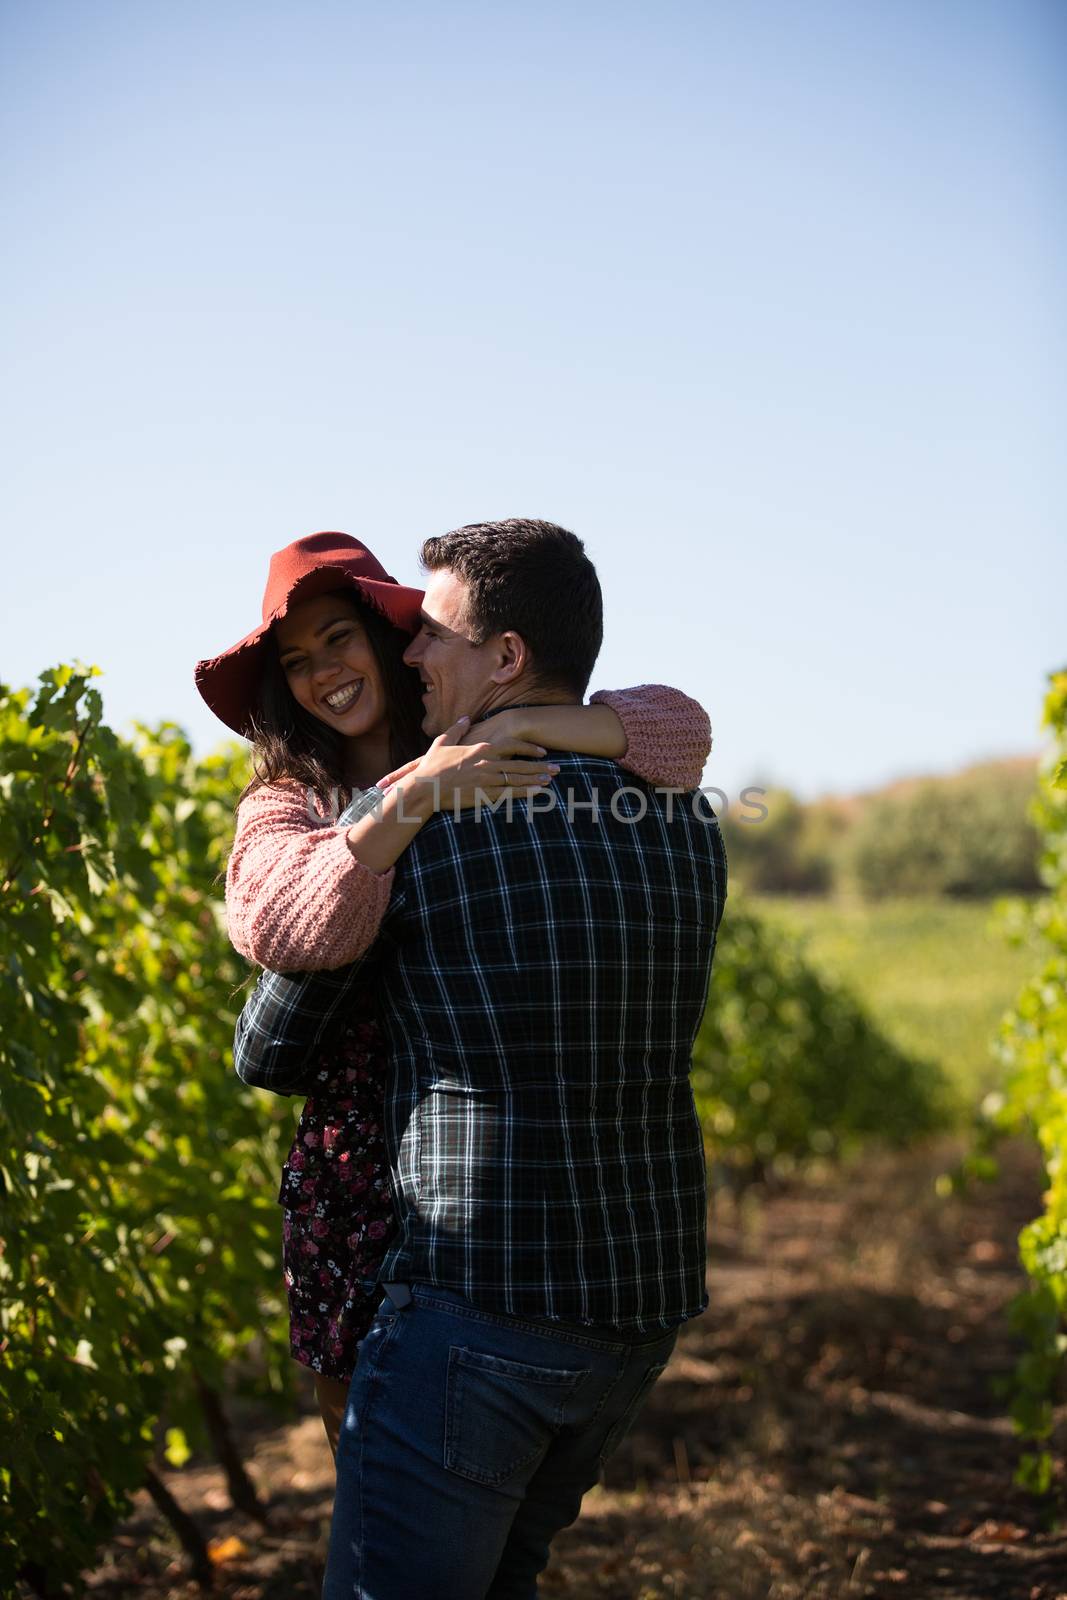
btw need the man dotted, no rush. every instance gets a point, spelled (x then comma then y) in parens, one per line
(542, 978)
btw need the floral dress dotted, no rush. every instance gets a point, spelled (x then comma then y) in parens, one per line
(337, 1196)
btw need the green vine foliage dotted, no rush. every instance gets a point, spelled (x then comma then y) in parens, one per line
(1033, 1049)
(137, 1177)
(789, 1066)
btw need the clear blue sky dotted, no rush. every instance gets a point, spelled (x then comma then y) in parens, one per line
(765, 300)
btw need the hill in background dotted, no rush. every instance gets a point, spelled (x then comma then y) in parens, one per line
(963, 834)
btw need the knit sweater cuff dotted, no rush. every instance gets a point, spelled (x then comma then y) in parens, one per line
(668, 734)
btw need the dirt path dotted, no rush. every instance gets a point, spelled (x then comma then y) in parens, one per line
(826, 1430)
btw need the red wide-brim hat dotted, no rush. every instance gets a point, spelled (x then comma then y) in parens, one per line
(231, 682)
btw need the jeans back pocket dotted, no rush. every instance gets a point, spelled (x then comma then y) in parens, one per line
(500, 1415)
(621, 1428)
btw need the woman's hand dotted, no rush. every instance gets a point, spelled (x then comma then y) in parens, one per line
(461, 772)
(398, 773)
(449, 776)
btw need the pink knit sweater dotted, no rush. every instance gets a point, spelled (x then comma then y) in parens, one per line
(297, 900)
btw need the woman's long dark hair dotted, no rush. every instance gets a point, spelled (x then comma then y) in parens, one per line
(289, 743)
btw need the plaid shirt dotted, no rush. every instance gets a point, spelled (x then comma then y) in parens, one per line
(541, 983)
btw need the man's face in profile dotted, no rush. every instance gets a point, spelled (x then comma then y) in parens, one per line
(455, 673)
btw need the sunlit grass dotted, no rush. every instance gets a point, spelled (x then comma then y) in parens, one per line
(937, 974)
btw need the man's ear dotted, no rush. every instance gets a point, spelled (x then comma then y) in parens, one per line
(513, 657)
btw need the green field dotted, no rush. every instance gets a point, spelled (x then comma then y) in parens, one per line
(936, 974)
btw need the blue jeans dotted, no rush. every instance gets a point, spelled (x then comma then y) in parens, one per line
(469, 1440)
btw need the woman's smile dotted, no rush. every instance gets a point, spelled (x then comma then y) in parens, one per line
(339, 700)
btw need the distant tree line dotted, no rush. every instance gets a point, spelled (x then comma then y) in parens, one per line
(969, 834)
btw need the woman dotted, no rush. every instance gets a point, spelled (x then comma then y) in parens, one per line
(321, 689)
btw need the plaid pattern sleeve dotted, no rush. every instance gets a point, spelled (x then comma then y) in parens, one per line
(284, 1020)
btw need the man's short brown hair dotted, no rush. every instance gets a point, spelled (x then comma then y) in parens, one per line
(533, 578)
